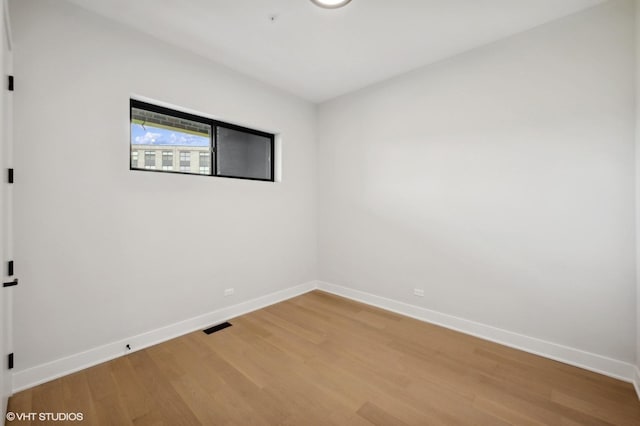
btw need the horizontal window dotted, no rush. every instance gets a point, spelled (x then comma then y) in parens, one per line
(172, 141)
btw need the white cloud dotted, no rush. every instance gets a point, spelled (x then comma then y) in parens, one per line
(148, 138)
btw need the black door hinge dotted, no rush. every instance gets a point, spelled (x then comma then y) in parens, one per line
(10, 283)
(10, 361)
(10, 268)
(10, 85)
(10, 175)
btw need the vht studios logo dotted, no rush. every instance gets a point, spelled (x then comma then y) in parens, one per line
(44, 417)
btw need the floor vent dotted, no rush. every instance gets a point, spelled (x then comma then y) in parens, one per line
(217, 328)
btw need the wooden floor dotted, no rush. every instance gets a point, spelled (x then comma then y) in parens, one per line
(318, 360)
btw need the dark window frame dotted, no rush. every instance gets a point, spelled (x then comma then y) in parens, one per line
(213, 163)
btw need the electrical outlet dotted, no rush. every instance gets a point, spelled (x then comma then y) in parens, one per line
(418, 292)
(229, 292)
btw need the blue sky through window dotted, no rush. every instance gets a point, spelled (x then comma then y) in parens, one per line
(149, 135)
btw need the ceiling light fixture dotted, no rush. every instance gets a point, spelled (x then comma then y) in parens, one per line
(331, 4)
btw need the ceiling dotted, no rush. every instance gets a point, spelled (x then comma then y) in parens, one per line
(319, 54)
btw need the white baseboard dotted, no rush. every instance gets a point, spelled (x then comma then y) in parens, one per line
(33, 376)
(576, 357)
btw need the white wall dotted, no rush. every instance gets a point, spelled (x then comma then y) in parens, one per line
(499, 181)
(105, 253)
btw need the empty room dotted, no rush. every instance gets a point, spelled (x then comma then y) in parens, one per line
(320, 212)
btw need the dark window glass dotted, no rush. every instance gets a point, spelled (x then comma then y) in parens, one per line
(243, 154)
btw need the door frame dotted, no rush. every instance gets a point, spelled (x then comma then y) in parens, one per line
(6, 208)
